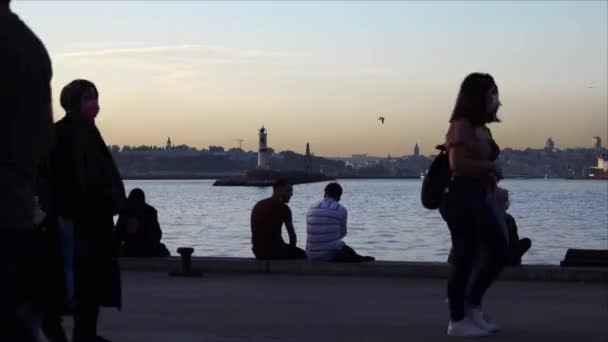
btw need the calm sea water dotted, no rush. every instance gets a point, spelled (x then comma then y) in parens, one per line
(386, 219)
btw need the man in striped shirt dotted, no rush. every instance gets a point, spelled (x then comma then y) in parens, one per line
(326, 227)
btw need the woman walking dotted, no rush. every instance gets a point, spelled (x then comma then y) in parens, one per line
(469, 205)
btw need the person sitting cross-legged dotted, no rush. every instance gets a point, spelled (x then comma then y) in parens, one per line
(326, 227)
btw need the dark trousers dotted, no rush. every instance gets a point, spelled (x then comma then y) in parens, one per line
(472, 225)
(85, 323)
(20, 280)
(281, 252)
(347, 254)
(53, 329)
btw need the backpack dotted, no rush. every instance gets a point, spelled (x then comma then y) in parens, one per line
(436, 180)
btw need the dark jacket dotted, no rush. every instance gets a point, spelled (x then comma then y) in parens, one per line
(139, 232)
(86, 187)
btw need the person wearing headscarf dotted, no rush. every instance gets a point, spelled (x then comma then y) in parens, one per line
(87, 191)
(138, 229)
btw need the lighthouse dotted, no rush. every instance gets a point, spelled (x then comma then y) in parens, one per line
(263, 149)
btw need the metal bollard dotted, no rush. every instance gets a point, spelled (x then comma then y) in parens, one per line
(186, 261)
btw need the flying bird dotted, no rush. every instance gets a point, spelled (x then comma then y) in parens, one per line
(381, 119)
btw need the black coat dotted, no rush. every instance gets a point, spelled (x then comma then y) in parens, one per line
(52, 282)
(84, 186)
(144, 241)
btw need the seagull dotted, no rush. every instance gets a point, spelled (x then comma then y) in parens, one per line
(381, 119)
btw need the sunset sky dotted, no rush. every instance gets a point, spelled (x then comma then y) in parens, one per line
(205, 73)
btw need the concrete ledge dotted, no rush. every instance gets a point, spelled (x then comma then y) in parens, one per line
(374, 269)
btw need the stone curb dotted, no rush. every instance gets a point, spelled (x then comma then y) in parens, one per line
(374, 269)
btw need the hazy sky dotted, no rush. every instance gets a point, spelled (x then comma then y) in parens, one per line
(205, 73)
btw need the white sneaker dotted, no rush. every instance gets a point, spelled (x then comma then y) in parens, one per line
(466, 328)
(476, 315)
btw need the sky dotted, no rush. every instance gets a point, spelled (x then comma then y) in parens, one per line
(208, 72)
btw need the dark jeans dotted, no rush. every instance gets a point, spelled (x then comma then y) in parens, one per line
(283, 251)
(20, 281)
(515, 251)
(85, 323)
(472, 225)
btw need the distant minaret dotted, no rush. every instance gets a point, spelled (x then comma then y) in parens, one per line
(169, 146)
(263, 149)
(308, 160)
(597, 143)
(550, 145)
(416, 150)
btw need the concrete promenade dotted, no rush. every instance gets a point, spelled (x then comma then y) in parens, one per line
(239, 307)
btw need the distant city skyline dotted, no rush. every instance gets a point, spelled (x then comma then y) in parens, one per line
(208, 73)
(414, 150)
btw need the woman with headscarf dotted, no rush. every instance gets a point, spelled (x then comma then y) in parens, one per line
(87, 192)
(138, 228)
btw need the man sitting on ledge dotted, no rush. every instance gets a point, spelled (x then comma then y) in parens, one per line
(267, 218)
(326, 227)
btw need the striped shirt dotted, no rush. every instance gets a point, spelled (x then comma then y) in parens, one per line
(325, 229)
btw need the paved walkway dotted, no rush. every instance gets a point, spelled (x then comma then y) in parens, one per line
(270, 308)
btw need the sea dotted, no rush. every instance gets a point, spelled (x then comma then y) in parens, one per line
(385, 217)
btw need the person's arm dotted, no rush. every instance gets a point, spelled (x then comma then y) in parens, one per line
(459, 137)
(343, 221)
(157, 233)
(291, 232)
(121, 226)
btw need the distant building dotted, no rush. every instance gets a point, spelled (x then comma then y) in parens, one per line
(550, 145)
(169, 145)
(597, 142)
(602, 163)
(416, 151)
(263, 152)
(359, 156)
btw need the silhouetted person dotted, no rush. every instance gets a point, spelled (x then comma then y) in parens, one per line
(54, 286)
(138, 228)
(25, 131)
(517, 247)
(326, 226)
(267, 219)
(87, 192)
(469, 207)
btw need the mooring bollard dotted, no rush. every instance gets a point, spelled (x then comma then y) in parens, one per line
(186, 260)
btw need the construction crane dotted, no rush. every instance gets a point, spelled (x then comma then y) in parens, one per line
(240, 142)
(240, 147)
